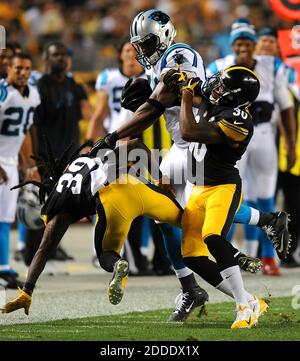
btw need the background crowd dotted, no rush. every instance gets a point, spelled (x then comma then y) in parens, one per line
(94, 28)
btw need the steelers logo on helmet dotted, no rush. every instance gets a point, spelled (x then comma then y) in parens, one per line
(151, 33)
(236, 86)
(29, 208)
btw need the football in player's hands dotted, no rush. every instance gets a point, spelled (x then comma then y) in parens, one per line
(135, 93)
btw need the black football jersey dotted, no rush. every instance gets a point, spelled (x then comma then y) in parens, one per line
(213, 164)
(73, 192)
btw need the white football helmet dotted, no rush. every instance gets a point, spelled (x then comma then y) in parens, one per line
(151, 33)
(29, 208)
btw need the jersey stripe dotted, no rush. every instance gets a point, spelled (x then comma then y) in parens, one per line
(292, 75)
(103, 79)
(277, 63)
(235, 133)
(177, 46)
(3, 93)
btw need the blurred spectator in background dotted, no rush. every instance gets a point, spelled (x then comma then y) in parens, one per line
(17, 104)
(57, 117)
(288, 180)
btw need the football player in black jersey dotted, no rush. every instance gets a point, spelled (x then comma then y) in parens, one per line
(221, 132)
(87, 186)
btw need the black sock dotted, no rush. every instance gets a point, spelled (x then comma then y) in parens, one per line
(264, 218)
(28, 288)
(218, 247)
(107, 260)
(188, 282)
(236, 253)
(205, 268)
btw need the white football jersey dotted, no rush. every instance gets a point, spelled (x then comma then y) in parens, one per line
(16, 117)
(272, 74)
(112, 81)
(184, 57)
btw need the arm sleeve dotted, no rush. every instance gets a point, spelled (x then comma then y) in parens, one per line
(102, 81)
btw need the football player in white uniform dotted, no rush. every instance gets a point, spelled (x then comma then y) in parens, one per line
(258, 167)
(152, 33)
(18, 102)
(109, 85)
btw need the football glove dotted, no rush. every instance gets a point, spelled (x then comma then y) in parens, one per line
(193, 86)
(108, 142)
(23, 301)
(174, 79)
(178, 80)
(135, 93)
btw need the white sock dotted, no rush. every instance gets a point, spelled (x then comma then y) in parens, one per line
(254, 217)
(224, 287)
(235, 281)
(183, 272)
(251, 247)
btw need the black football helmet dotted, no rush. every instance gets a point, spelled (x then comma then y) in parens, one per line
(236, 86)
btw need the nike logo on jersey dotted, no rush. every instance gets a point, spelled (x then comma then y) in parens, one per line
(189, 308)
(237, 123)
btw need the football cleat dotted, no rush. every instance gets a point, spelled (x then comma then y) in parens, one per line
(258, 306)
(245, 317)
(9, 279)
(249, 264)
(187, 302)
(278, 232)
(117, 284)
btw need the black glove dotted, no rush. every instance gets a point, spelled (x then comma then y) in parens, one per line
(193, 86)
(177, 80)
(108, 142)
(174, 78)
(135, 93)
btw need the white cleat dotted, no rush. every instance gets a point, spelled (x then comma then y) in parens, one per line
(259, 306)
(245, 317)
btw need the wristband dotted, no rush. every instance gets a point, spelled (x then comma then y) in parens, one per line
(157, 105)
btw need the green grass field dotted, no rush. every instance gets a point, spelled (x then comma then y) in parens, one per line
(281, 322)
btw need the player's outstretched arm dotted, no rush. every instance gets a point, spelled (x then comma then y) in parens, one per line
(149, 112)
(143, 117)
(53, 234)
